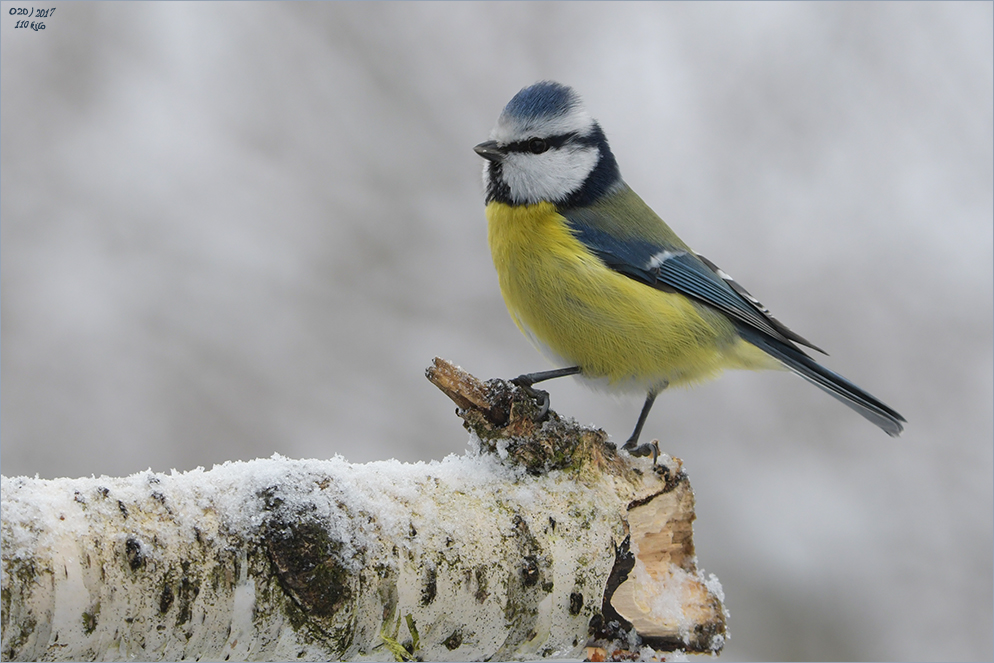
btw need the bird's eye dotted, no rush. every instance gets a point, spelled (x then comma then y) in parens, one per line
(537, 145)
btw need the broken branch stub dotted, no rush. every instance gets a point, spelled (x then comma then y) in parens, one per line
(655, 586)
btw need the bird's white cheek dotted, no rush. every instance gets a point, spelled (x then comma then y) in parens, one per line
(554, 175)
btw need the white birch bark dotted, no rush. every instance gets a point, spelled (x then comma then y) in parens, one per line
(506, 552)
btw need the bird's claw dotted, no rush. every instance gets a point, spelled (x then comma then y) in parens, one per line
(635, 449)
(540, 396)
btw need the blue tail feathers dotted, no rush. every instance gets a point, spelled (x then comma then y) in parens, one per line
(834, 384)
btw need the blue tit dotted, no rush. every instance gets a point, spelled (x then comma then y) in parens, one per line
(603, 287)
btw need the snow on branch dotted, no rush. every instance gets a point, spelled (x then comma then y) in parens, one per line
(539, 541)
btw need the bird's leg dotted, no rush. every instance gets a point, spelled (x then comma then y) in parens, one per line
(632, 445)
(542, 397)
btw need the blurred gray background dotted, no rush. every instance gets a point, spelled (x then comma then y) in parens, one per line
(232, 229)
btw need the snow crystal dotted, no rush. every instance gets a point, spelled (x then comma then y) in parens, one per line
(714, 585)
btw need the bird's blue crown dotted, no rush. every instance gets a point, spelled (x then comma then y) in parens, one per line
(543, 99)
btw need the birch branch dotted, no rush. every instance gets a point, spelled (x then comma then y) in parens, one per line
(540, 541)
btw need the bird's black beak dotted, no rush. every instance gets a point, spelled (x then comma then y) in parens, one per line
(490, 151)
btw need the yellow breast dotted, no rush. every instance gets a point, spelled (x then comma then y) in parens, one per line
(582, 313)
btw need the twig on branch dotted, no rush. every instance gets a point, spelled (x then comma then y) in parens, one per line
(540, 541)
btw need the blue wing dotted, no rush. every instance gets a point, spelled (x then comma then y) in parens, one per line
(673, 268)
(630, 239)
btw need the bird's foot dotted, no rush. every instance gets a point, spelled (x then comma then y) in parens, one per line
(636, 449)
(540, 396)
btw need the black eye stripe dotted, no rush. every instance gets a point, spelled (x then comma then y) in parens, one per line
(551, 141)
